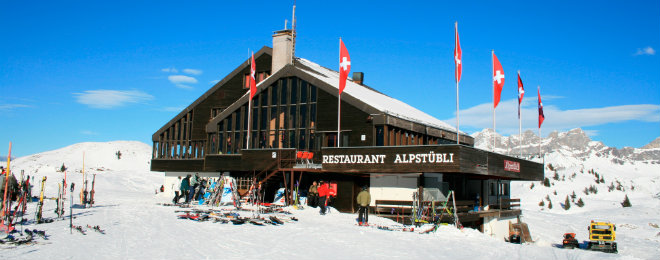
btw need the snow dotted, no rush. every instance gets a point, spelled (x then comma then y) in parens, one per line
(375, 99)
(138, 228)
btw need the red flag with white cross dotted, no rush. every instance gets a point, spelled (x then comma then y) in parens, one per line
(458, 56)
(521, 93)
(253, 82)
(344, 66)
(541, 115)
(498, 80)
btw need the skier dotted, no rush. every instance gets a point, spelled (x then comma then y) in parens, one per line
(176, 187)
(323, 196)
(313, 195)
(363, 200)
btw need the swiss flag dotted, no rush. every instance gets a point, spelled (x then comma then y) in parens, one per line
(498, 80)
(253, 82)
(344, 65)
(521, 93)
(458, 56)
(541, 116)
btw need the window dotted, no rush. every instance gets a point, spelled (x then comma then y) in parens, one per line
(312, 116)
(292, 117)
(246, 81)
(283, 93)
(272, 124)
(294, 91)
(313, 93)
(301, 140)
(303, 116)
(229, 123)
(273, 95)
(303, 92)
(292, 139)
(380, 136)
(504, 189)
(237, 142)
(237, 125)
(264, 118)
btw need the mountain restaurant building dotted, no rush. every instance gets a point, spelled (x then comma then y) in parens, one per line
(390, 146)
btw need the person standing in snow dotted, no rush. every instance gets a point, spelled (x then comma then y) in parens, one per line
(194, 181)
(363, 200)
(323, 196)
(176, 187)
(185, 188)
(313, 195)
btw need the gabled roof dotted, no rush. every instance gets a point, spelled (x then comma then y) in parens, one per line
(364, 97)
(264, 50)
(378, 100)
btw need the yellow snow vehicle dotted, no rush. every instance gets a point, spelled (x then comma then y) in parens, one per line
(602, 237)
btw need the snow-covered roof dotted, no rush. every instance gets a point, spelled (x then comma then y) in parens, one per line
(377, 100)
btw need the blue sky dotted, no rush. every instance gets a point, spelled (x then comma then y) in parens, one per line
(101, 71)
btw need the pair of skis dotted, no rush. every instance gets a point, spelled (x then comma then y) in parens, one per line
(40, 205)
(81, 230)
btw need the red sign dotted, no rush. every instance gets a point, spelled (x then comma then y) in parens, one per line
(511, 166)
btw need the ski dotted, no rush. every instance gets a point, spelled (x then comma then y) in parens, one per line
(276, 220)
(41, 201)
(96, 228)
(91, 193)
(80, 229)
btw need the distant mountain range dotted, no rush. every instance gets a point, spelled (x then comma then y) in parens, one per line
(574, 142)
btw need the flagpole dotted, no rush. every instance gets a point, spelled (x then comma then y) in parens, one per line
(339, 105)
(249, 133)
(519, 117)
(458, 132)
(539, 91)
(494, 132)
(540, 140)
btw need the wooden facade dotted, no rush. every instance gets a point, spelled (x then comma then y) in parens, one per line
(295, 109)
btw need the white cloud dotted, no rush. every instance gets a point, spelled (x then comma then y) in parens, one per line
(106, 99)
(172, 109)
(645, 51)
(481, 116)
(170, 70)
(192, 71)
(215, 81)
(9, 107)
(591, 133)
(181, 81)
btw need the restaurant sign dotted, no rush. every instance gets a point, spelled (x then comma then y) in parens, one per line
(511, 166)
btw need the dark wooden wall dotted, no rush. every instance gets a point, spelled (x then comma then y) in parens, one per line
(352, 118)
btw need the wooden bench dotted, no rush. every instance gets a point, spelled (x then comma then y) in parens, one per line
(393, 207)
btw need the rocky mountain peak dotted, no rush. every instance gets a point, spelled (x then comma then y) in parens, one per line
(652, 145)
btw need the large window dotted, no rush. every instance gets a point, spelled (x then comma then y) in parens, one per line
(283, 116)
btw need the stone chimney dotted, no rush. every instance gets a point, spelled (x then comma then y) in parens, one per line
(358, 77)
(282, 50)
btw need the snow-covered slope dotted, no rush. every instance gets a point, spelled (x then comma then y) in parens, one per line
(130, 173)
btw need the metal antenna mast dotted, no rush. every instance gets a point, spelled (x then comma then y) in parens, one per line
(293, 33)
